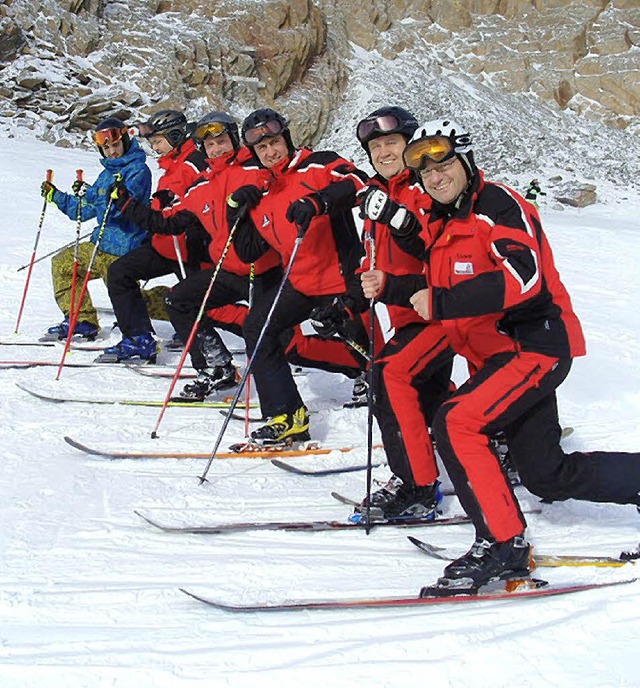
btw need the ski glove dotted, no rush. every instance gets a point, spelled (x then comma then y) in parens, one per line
(119, 194)
(79, 187)
(330, 320)
(248, 196)
(377, 206)
(165, 198)
(47, 189)
(302, 211)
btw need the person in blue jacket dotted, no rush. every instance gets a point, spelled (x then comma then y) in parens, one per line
(114, 236)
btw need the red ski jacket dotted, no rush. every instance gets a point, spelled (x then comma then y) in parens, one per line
(182, 166)
(492, 279)
(331, 250)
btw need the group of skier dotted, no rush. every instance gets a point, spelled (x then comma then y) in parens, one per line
(263, 234)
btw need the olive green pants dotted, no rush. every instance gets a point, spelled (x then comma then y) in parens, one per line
(62, 276)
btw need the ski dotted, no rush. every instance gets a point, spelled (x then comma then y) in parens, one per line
(544, 560)
(223, 403)
(304, 526)
(540, 589)
(283, 465)
(261, 454)
(240, 416)
(8, 365)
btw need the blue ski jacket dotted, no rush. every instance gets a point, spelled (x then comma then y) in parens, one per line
(120, 236)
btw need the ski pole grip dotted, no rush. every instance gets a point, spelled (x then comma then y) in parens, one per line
(49, 176)
(79, 174)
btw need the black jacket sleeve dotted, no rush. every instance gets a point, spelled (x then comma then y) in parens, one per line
(398, 289)
(156, 223)
(247, 240)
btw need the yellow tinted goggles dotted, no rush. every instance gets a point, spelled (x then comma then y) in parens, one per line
(210, 129)
(434, 148)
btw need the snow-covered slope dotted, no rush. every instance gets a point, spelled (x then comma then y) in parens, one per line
(89, 593)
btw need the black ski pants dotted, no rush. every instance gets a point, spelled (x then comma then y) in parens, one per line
(143, 263)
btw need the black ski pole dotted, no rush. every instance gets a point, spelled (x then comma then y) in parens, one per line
(247, 370)
(53, 253)
(372, 322)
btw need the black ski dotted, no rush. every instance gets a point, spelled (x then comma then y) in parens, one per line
(319, 472)
(538, 589)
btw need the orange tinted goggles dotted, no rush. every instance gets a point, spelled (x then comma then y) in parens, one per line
(434, 148)
(210, 129)
(108, 135)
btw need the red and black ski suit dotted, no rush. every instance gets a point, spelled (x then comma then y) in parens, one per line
(494, 287)
(412, 372)
(324, 265)
(201, 212)
(182, 166)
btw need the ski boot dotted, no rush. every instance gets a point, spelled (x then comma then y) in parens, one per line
(175, 343)
(501, 449)
(484, 563)
(360, 393)
(208, 381)
(285, 428)
(83, 329)
(397, 501)
(142, 346)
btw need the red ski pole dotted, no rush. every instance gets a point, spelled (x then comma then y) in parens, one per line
(73, 316)
(33, 255)
(74, 278)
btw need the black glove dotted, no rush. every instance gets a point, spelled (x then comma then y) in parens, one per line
(47, 189)
(165, 197)
(377, 206)
(302, 211)
(247, 196)
(79, 187)
(330, 320)
(119, 194)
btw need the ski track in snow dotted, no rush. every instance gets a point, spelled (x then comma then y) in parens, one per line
(89, 592)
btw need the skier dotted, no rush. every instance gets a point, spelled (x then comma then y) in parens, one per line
(203, 207)
(182, 164)
(120, 155)
(412, 372)
(533, 192)
(492, 283)
(304, 194)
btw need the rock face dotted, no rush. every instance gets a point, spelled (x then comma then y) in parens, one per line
(66, 64)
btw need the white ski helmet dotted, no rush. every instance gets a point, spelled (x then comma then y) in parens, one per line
(460, 140)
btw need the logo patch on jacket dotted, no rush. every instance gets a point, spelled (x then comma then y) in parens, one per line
(265, 221)
(206, 208)
(463, 268)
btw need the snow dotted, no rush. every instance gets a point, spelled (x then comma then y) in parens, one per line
(89, 593)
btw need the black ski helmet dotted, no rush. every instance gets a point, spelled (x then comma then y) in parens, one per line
(115, 124)
(171, 124)
(389, 119)
(230, 127)
(271, 122)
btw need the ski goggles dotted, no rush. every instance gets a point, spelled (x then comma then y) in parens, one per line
(434, 148)
(108, 136)
(210, 129)
(376, 125)
(255, 135)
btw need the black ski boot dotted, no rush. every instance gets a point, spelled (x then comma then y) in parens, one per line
(208, 381)
(360, 392)
(501, 448)
(397, 501)
(485, 562)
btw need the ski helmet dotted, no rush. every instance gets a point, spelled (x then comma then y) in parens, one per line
(389, 119)
(113, 130)
(264, 123)
(439, 140)
(214, 124)
(168, 123)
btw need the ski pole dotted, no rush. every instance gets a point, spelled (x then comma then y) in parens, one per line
(33, 254)
(247, 396)
(372, 319)
(176, 247)
(247, 370)
(73, 317)
(194, 329)
(74, 278)
(53, 253)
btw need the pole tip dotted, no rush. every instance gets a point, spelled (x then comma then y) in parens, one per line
(202, 480)
(154, 435)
